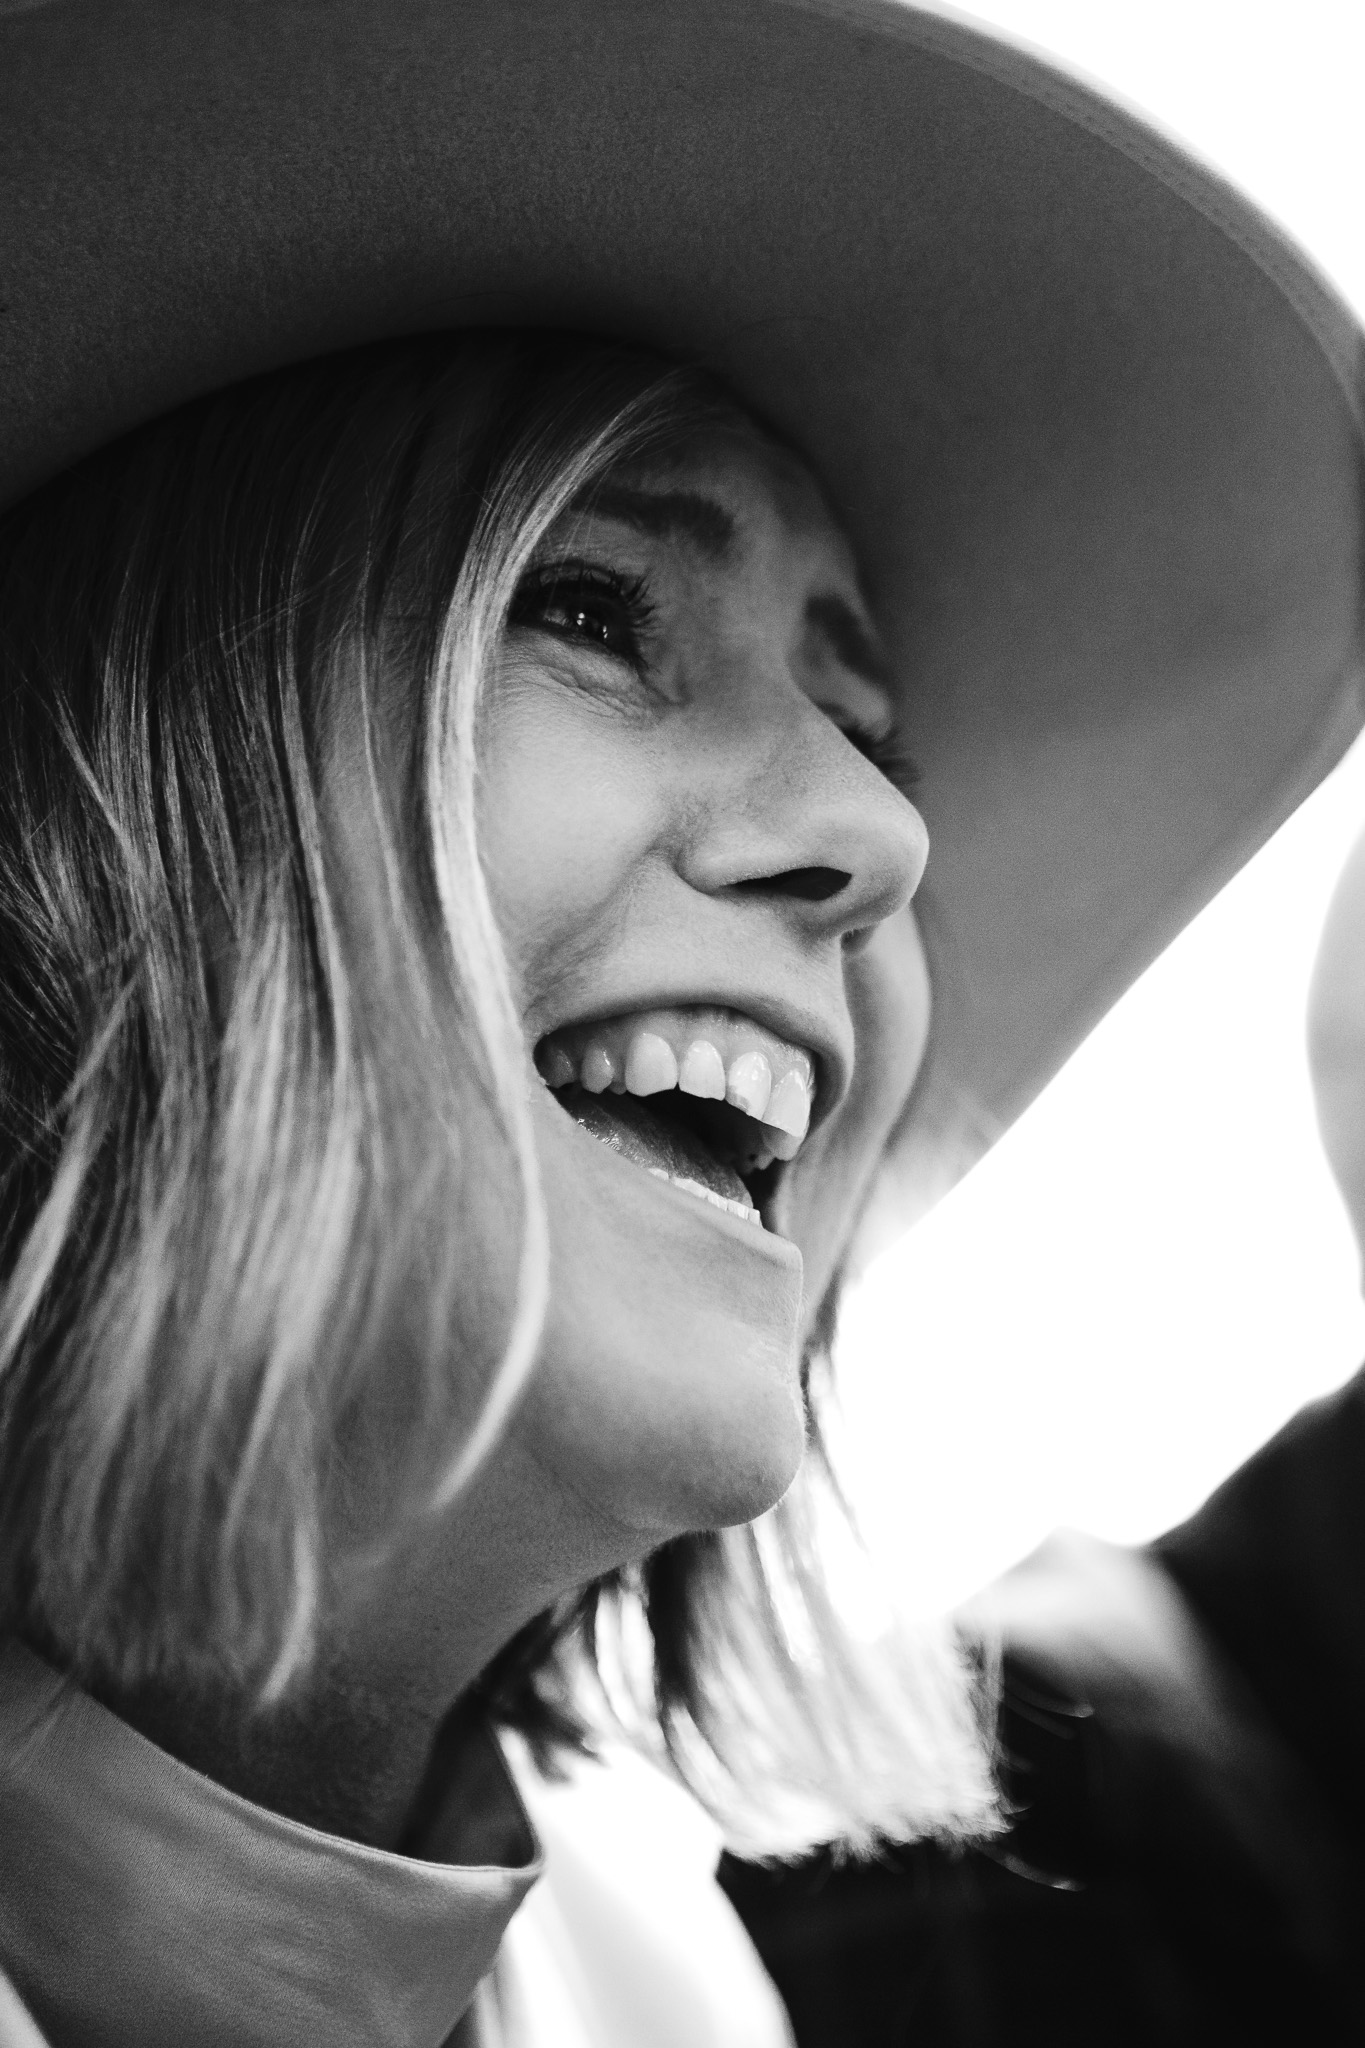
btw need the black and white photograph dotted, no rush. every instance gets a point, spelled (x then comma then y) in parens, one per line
(682, 1024)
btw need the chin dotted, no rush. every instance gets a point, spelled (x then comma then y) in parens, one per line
(733, 1465)
(669, 1392)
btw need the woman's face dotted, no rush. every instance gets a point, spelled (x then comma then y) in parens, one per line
(701, 876)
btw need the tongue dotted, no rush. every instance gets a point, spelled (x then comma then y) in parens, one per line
(630, 1127)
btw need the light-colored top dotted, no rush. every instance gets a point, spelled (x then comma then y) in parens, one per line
(144, 1906)
(629, 1942)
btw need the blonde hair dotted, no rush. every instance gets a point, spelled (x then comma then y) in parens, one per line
(208, 1205)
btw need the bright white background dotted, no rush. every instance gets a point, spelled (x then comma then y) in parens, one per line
(1152, 1270)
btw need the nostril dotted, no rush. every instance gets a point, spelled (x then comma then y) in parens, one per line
(807, 885)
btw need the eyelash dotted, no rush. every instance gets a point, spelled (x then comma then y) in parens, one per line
(579, 587)
(889, 755)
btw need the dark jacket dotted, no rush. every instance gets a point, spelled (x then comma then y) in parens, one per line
(1175, 1874)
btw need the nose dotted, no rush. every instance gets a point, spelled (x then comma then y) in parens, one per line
(813, 828)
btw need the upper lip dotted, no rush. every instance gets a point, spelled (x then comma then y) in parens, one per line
(830, 1045)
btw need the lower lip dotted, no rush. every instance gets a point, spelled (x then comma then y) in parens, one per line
(756, 1236)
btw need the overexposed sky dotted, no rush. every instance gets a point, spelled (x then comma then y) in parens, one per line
(1151, 1271)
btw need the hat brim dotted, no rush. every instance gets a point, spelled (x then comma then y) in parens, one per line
(1094, 426)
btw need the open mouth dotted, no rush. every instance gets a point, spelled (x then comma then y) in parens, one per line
(704, 1098)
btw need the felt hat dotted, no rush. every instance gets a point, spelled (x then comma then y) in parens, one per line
(1094, 425)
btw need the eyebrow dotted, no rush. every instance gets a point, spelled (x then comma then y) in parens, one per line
(667, 515)
(850, 639)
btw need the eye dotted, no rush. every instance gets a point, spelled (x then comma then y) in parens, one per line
(594, 606)
(888, 753)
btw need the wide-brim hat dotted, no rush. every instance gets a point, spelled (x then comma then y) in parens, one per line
(1094, 426)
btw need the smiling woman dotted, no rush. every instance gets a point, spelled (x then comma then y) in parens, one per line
(492, 496)
(307, 860)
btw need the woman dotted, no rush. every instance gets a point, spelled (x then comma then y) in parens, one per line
(459, 992)
(260, 624)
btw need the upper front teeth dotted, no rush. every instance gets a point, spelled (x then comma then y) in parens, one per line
(651, 1064)
(713, 1054)
(702, 1071)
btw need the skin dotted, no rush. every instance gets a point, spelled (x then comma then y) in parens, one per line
(642, 832)
(649, 817)
(1336, 1037)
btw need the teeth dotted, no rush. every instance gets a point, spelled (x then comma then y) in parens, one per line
(789, 1106)
(694, 1187)
(650, 1064)
(702, 1071)
(598, 1071)
(712, 1054)
(749, 1083)
(558, 1068)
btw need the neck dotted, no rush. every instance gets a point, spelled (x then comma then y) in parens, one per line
(350, 1753)
(336, 1758)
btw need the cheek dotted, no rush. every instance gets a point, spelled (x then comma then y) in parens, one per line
(667, 1393)
(890, 1003)
(566, 809)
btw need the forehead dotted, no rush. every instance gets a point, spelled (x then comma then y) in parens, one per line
(727, 490)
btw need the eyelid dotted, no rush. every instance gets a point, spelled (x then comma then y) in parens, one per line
(850, 637)
(627, 591)
(884, 747)
(566, 570)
